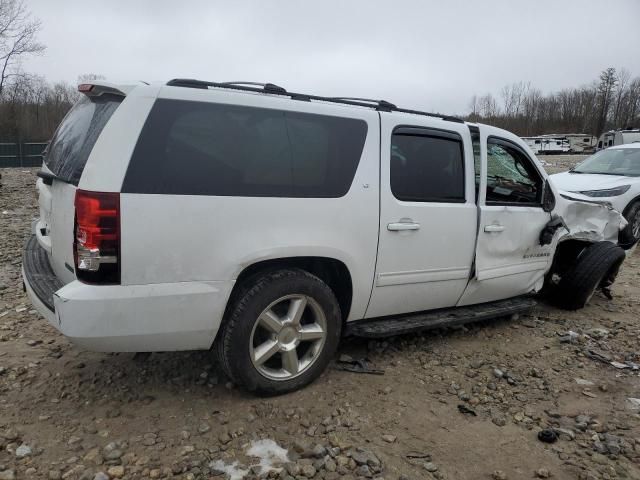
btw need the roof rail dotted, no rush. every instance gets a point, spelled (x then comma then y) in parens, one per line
(380, 105)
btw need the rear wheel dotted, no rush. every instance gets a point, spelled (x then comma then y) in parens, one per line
(631, 232)
(281, 333)
(596, 267)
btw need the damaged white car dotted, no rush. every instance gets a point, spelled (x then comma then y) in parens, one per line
(266, 224)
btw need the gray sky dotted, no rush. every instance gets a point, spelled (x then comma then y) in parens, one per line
(429, 54)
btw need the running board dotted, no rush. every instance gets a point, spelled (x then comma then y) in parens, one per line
(446, 317)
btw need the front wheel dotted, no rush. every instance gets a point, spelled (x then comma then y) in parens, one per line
(596, 267)
(281, 333)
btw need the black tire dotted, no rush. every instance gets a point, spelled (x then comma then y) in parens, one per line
(626, 237)
(233, 343)
(597, 266)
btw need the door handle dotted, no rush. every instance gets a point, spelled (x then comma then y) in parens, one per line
(400, 226)
(494, 228)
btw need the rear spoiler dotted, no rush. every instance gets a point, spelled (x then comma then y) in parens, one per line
(99, 88)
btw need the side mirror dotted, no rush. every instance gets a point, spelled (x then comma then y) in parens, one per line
(548, 199)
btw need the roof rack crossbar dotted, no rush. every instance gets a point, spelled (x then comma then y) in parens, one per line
(380, 105)
(255, 84)
(267, 87)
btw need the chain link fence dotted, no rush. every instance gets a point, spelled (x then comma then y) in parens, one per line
(26, 154)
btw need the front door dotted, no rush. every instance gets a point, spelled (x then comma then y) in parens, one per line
(509, 258)
(428, 215)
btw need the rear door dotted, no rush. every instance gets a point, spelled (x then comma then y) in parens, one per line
(65, 158)
(509, 258)
(428, 216)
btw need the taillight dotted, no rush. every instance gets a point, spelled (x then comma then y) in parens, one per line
(97, 237)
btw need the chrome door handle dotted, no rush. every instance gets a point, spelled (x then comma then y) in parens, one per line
(400, 226)
(494, 228)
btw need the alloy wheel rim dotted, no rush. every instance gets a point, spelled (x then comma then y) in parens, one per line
(635, 225)
(288, 337)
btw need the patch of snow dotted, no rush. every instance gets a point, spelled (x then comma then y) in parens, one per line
(271, 458)
(230, 469)
(271, 455)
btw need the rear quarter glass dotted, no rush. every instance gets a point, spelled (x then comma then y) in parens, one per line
(198, 148)
(76, 135)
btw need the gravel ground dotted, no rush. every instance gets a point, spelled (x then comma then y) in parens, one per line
(465, 403)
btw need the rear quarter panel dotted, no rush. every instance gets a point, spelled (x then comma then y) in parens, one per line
(184, 238)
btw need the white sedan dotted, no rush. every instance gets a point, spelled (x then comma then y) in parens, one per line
(612, 175)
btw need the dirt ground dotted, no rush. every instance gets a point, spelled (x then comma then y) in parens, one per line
(68, 413)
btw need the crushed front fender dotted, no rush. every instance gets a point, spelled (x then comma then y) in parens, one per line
(586, 219)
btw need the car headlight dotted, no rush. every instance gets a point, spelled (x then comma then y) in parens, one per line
(611, 192)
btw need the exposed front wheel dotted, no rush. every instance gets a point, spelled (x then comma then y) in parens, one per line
(596, 267)
(281, 333)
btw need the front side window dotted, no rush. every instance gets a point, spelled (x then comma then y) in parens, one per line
(511, 177)
(427, 166)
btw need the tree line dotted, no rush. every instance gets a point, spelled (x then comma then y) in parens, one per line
(608, 103)
(31, 107)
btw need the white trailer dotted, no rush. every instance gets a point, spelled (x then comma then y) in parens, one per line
(581, 142)
(544, 144)
(618, 137)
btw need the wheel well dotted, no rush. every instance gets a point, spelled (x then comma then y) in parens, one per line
(629, 205)
(331, 271)
(567, 252)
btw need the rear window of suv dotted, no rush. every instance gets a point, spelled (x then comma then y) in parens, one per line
(195, 148)
(76, 135)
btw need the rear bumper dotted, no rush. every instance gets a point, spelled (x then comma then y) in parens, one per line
(126, 318)
(38, 274)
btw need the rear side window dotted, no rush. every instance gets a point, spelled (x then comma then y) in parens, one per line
(195, 148)
(76, 135)
(427, 166)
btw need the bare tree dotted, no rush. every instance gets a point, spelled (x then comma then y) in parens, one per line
(623, 78)
(474, 107)
(18, 38)
(513, 96)
(531, 109)
(488, 106)
(606, 87)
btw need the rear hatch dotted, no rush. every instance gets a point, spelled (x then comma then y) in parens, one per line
(64, 163)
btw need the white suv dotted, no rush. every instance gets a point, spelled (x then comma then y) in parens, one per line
(267, 224)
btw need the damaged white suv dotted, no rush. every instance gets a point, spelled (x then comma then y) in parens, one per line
(267, 224)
